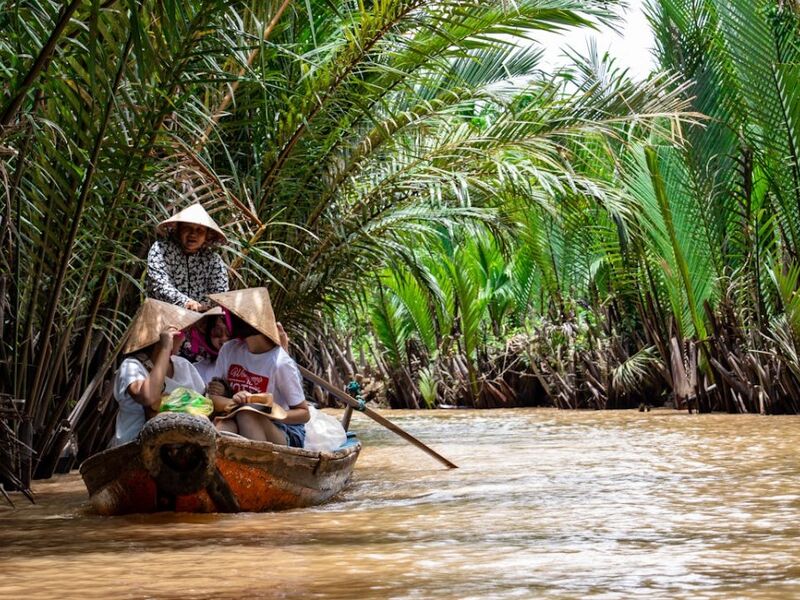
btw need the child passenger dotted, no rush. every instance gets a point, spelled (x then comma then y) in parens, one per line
(183, 269)
(151, 368)
(255, 363)
(206, 340)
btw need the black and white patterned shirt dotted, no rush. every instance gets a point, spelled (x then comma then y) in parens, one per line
(176, 277)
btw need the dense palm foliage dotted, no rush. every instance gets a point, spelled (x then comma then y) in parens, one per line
(403, 168)
(688, 284)
(321, 133)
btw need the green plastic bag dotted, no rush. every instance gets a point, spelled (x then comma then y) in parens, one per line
(184, 400)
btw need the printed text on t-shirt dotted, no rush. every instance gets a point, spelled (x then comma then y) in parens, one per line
(240, 379)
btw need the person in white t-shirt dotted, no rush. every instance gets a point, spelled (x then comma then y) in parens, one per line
(152, 369)
(255, 363)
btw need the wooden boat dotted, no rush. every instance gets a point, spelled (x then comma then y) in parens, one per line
(181, 463)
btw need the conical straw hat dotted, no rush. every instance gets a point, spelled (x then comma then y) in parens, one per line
(154, 317)
(267, 409)
(197, 215)
(251, 305)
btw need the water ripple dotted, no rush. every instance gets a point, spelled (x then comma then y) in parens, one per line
(545, 504)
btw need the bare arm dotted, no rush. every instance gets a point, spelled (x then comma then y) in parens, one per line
(147, 392)
(217, 391)
(287, 382)
(222, 404)
(298, 414)
(284, 337)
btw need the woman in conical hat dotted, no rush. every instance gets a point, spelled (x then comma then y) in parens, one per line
(183, 269)
(253, 363)
(151, 368)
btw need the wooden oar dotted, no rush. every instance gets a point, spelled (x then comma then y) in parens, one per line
(355, 404)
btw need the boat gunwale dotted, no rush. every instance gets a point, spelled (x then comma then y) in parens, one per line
(228, 442)
(225, 442)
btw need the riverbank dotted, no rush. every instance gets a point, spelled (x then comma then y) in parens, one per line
(546, 503)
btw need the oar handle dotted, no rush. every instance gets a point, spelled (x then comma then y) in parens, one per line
(355, 404)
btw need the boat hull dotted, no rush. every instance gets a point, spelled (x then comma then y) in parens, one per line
(223, 473)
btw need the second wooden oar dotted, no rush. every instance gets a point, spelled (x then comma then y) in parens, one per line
(355, 404)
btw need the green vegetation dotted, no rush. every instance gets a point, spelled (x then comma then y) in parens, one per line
(410, 187)
(668, 273)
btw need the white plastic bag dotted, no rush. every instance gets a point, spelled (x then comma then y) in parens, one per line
(323, 432)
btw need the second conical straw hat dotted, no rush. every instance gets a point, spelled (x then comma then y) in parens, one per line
(253, 306)
(197, 215)
(154, 317)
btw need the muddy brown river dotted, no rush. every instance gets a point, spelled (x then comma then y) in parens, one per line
(546, 504)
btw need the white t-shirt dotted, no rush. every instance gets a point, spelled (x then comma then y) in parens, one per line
(274, 372)
(206, 369)
(130, 418)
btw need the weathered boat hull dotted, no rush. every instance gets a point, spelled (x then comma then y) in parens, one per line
(186, 466)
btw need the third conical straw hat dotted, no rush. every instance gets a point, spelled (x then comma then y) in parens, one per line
(253, 306)
(154, 317)
(196, 215)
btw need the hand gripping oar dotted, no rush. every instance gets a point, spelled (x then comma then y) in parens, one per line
(356, 405)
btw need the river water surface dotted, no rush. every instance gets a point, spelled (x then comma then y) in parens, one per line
(546, 504)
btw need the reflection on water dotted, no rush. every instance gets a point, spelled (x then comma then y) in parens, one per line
(545, 504)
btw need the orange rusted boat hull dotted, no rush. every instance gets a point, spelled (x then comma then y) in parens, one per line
(244, 475)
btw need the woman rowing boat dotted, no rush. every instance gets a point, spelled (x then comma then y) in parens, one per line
(184, 268)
